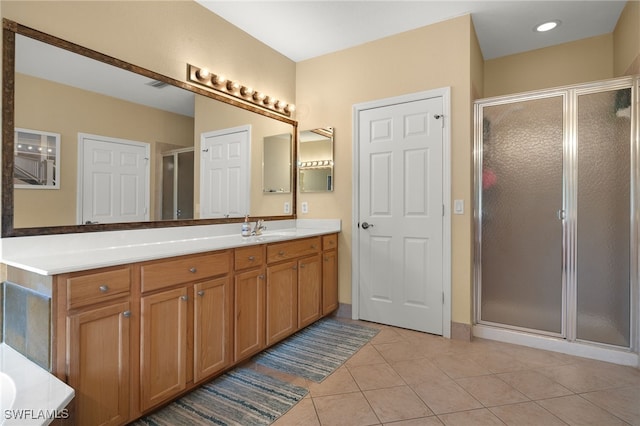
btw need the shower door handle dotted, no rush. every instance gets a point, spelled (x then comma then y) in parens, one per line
(561, 214)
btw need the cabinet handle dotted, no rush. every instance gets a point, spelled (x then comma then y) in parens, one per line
(126, 314)
(326, 259)
(201, 293)
(281, 253)
(252, 258)
(185, 298)
(261, 276)
(193, 270)
(103, 288)
(302, 265)
(295, 268)
(313, 246)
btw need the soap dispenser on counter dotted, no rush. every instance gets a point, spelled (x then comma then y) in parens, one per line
(246, 227)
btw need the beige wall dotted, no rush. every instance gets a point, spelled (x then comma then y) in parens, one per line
(626, 41)
(328, 87)
(580, 61)
(51, 107)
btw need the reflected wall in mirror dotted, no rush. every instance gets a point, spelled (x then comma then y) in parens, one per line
(276, 164)
(315, 160)
(63, 88)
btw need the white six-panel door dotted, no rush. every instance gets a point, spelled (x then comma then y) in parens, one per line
(225, 173)
(113, 180)
(401, 215)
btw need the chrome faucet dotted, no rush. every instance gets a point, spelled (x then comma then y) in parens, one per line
(258, 227)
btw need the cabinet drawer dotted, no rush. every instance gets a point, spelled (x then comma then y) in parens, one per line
(83, 290)
(329, 241)
(248, 257)
(183, 269)
(292, 249)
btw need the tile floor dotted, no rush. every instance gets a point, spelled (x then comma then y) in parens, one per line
(407, 378)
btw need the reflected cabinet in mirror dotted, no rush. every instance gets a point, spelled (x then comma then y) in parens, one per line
(133, 148)
(315, 160)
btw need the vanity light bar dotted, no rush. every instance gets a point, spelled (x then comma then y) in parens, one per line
(218, 82)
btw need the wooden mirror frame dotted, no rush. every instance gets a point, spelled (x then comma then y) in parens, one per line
(10, 29)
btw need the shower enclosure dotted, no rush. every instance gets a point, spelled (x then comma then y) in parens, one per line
(556, 213)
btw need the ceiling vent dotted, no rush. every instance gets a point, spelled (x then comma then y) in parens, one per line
(157, 84)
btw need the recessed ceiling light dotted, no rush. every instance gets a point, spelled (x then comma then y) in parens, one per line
(546, 26)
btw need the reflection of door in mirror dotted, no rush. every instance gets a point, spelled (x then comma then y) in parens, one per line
(177, 184)
(315, 160)
(276, 164)
(113, 180)
(224, 173)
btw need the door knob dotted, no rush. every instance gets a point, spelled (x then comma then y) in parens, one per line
(366, 225)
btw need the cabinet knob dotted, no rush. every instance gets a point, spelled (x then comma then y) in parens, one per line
(201, 293)
(295, 268)
(326, 259)
(302, 265)
(126, 314)
(193, 270)
(313, 246)
(185, 298)
(252, 258)
(103, 288)
(281, 253)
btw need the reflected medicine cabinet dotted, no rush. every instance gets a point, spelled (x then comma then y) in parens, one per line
(315, 160)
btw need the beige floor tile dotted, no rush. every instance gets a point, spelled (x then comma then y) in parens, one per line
(497, 362)
(526, 414)
(581, 377)
(365, 356)
(445, 397)
(375, 376)
(302, 414)
(386, 335)
(459, 365)
(482, 417)
(339, 382)
(419, 370)
(394, 404)
(399, 351)
(534, 384)
(351, 409)
(576, 410)
(491, 391)
(622, 402)
(424, 421)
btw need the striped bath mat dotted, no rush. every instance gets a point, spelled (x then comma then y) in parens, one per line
(239, 397)
(318, 350)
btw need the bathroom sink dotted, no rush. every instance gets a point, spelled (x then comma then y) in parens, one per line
(7, 394)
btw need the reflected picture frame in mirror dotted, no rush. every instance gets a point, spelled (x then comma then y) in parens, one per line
(315, 160)
(11, 30)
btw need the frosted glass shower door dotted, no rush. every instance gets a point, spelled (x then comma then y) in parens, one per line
(521, 202)
(603, 217)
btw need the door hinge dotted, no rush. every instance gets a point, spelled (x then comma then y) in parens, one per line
(443, 297)
(443, 210)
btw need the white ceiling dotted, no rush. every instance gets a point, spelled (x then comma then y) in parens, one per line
(306, 29)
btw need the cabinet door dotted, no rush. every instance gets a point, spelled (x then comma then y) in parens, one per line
(282, 301)
(98, 348)
(249, 288)
(329, 281)
(309, 290)
(212, 327)
(163, 346)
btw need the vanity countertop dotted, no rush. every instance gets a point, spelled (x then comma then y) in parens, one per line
(58, 254)
(39, 396)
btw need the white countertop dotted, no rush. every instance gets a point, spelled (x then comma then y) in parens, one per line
(39, 395)
(57, 254)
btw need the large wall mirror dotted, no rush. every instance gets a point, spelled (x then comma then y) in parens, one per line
(103, 108)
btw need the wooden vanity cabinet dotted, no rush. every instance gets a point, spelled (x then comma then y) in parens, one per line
(329, 273)
(95, 307)
(131, 338)
(249, 301)
(287, 278)
(185, 333)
